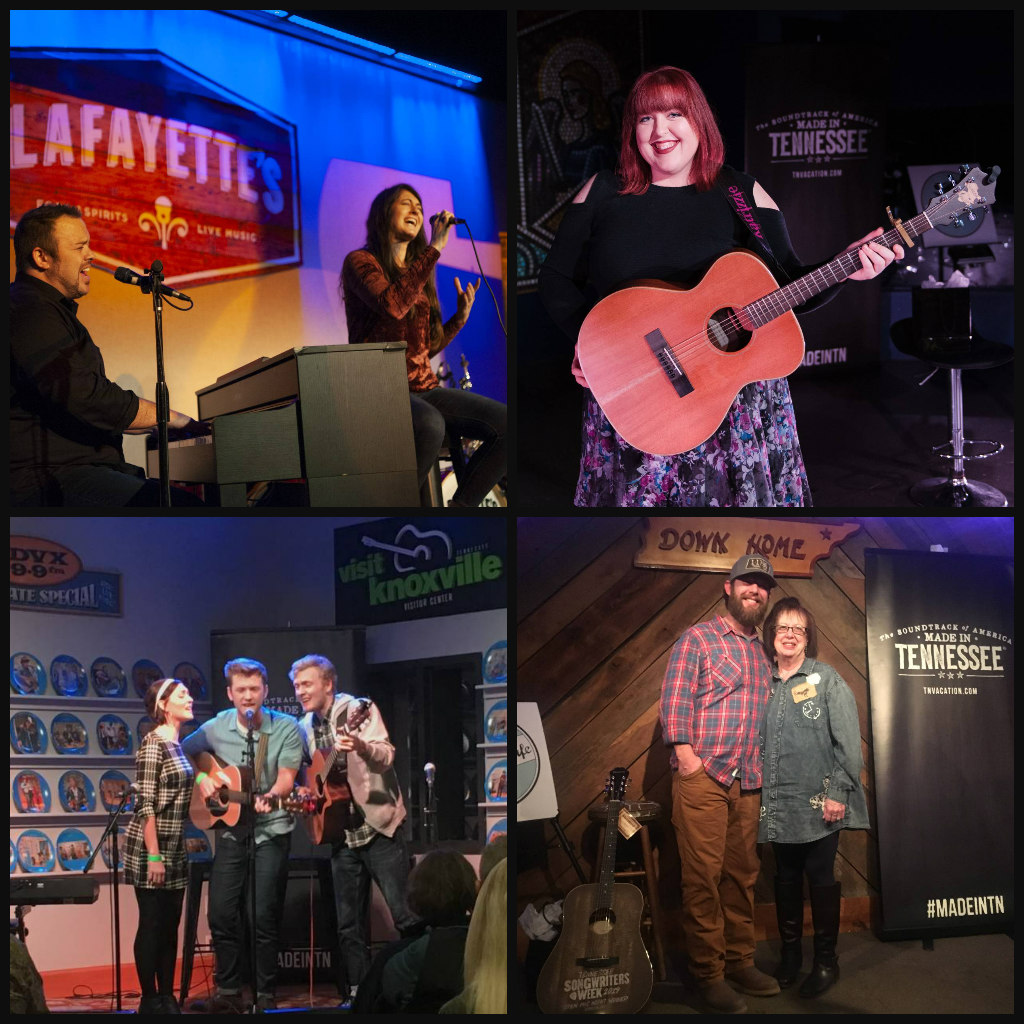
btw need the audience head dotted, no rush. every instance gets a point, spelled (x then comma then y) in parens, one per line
(442, 887)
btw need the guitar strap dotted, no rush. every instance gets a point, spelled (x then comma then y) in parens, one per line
(261, 756)
(745, 209)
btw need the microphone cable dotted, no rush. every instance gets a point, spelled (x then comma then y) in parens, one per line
(494, 299)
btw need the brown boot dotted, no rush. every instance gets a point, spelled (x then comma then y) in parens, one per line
(752, 981)
(720, 998)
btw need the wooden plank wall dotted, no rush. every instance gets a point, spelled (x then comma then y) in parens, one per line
(593, 641)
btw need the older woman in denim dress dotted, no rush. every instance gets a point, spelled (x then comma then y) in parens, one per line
(811, 788)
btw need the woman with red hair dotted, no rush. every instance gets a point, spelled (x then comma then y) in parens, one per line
(665, 215)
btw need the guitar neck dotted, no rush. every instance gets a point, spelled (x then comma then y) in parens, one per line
(344, 730)
(607, 876)
(773, 305)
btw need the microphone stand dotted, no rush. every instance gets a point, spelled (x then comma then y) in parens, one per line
(250, 855)
(111, 830)
(163, 401)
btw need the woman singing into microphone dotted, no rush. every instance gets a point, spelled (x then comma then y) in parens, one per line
(154, 858)
(389, 294)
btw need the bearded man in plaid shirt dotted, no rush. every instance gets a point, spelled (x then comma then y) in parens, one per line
(712, 701)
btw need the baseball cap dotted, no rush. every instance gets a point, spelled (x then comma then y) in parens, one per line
(754, 565)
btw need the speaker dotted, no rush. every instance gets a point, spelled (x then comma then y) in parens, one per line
(308, 932)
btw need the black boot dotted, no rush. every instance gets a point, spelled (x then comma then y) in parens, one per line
(825, 905)
(789, 909)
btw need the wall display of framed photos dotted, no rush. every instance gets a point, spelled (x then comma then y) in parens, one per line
(494, 729)
(74, 731)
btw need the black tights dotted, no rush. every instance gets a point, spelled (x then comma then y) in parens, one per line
(792, 860)
(156, 941)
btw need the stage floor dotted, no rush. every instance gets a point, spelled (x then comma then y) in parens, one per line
(965, 975)
(290, 998)
(866, 435)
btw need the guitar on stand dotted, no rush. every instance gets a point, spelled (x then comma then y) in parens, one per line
(599, 963)
(332, 797)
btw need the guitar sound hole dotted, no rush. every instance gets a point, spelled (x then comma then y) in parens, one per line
(725, 331)
(602, 921)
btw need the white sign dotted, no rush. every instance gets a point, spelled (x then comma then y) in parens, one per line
(535, 787)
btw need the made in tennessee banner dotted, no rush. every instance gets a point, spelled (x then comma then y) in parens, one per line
(940, 665)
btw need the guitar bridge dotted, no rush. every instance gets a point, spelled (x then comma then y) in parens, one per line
(594, 963)
(672, 370)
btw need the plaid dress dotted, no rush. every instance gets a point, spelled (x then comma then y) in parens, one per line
(165, 779)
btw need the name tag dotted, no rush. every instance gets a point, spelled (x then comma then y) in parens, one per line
(805, 691)
(628, 825)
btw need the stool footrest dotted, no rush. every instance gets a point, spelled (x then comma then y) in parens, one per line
(997, 447)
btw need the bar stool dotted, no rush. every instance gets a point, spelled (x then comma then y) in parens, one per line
(643, 811)
(198, 875)
(955, 490)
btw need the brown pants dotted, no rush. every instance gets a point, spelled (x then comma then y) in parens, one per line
(716, 830)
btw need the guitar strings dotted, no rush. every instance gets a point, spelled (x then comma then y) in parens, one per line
(848, 261)
(773, 302)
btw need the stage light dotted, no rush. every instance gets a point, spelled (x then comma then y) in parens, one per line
(459, 76)
(384, 54)
(343, 36)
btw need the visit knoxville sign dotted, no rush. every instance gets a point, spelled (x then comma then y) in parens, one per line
(163, 163)
(712, 544)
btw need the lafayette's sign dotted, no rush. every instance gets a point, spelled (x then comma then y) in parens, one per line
(712, 544)
(163, 164)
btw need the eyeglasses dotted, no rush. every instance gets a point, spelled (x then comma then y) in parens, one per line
(795, 630)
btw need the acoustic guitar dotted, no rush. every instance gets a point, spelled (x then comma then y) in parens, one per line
(332, 798)
(666, 363)
(599, 963)
(228, 805)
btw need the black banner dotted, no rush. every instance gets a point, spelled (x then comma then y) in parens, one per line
(392, 570)
(815, 140)
(940, 666)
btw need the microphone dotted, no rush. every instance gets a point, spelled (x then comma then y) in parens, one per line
(133, 789)
(452, 221)
(249, 714)
(128, 276)
(428, 771)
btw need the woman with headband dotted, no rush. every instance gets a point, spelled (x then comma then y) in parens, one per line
(154, 859)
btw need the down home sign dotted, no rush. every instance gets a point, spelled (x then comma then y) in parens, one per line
(163, 163)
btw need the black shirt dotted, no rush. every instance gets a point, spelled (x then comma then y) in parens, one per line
(672, 234)
(64, 410)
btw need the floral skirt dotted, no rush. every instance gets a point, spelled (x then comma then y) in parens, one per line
(753, 460)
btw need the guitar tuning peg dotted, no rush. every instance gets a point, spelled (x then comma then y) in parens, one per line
(951, 179)
(957, 222)
(970, 215)
(964, 170)
(939, 189)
